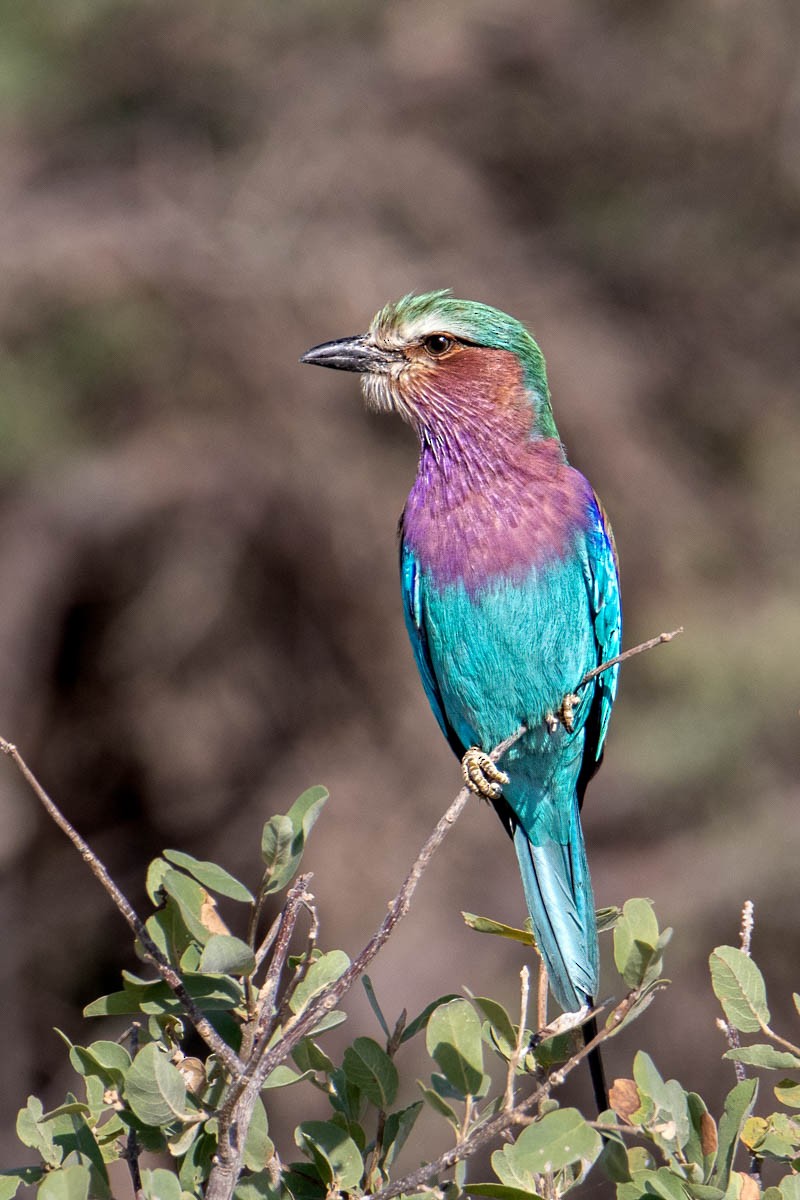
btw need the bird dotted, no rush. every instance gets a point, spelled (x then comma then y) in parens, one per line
(510, 588)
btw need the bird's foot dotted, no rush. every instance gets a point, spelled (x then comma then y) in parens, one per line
(565, 715)
(481, 775)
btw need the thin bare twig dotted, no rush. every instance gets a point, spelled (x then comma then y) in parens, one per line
(170, 976)
(258, 1034)
(304, 964)
(264, 949)
(781, 1041)
(295, 901)
(732, 1038)
(650, 644)
(542, 989)
(522, 1038)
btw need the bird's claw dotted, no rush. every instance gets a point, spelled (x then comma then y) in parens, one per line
(565, 715)
(481, 775)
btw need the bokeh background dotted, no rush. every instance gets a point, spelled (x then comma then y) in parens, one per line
(200, 612)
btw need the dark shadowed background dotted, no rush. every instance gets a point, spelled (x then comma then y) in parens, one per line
(200, 612)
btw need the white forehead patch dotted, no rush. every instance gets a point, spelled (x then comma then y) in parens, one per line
(391, 332)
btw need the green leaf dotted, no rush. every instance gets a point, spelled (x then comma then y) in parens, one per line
(373, 1003)
(304, 1182)
(559, 1139)
(614, 1161)
(421, 1021)
(284, 1076)
(154, 1088)
(308, 1057)
(258, 1147)
(180, 1144)
(790, 1187)
(67, 1183)
(107, 1060)
(396, 1130)
(738, 1106)
(325, 970)
(154, 879)
(763, 1055)
(739, 986)
(439, 1105)
(39, 1136)
(640, 1164)
(277, 840)
(634, 1009)
(652, 1088)
(444, 1088)
(306, 809)
(370, 1069)
(607, 918)
(788, 1092)
(284, 837)
(75, 1138)
(160, 1184)
(504, 1035)
(212, 876)
(701, 1145)
(211, 994)
(344, 1097)
(453, 1039)
(667, 1184)
(11, 1180)
(553, 1050)
(678, 1114)
(641, 919)
(196, 1163)
(226, 955)
(335, 1154)
(776, 1136)
(638, 947)
(487, 925)
(192, 900)
(259, 1187)
(169, 931)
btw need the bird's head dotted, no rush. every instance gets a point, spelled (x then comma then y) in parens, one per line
(446, 366)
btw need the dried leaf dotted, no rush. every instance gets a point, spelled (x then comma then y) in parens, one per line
(623, 1096)
(708, 1134)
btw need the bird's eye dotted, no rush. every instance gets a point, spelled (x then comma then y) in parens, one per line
(438, 344)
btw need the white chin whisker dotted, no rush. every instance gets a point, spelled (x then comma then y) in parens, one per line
(382, 395)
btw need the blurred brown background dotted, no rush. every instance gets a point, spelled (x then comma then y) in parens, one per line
(200, 612)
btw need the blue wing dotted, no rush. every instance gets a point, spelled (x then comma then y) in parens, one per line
(414, 612)
(601, 570)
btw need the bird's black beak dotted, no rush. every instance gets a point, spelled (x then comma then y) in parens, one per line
(348, 354)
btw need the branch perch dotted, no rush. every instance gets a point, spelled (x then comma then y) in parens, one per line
(650, 644)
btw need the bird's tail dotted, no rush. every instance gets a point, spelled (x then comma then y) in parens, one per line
(558, 892)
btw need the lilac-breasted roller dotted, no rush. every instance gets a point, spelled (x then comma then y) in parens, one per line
(510, 589)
